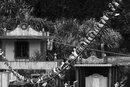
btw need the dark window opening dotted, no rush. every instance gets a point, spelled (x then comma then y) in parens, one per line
(21, 50)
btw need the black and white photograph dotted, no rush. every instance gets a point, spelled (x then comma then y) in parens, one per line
(64, 43)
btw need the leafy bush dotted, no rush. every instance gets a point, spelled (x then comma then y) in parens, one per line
(68, 33)
(37, 57)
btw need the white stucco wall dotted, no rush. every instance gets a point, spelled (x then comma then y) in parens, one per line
(9, 49)
(34, 45)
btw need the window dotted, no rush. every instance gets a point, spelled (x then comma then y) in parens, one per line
(21, 49)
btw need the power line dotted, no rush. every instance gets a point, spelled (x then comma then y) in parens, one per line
(121, 54)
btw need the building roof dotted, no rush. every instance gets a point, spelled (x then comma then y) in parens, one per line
(27, 33)
(27, 37)
(93, 65)
(111, 61)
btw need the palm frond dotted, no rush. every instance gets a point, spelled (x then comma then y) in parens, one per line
(67, 30)
(111, 38)
(86, 26)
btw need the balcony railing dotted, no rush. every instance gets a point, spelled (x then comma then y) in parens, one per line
(47, 65)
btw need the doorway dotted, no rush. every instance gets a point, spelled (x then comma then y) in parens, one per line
(96, 80)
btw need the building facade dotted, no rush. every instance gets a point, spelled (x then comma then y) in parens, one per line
(26, 51)
(96, 72)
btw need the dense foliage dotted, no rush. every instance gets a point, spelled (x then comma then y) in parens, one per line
(66, 19)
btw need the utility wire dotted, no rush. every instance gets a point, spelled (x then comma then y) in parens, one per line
(121, 54)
